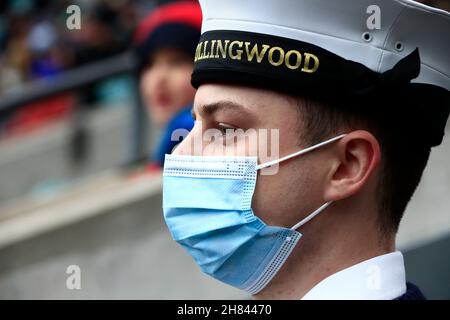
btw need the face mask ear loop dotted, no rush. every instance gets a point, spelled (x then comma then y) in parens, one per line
(312, 215)
(295, 154)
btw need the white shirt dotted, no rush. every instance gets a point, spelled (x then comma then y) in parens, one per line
(379, 278)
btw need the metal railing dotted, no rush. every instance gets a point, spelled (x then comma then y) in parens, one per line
(78, 78)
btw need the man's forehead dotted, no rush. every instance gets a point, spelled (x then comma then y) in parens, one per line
(211, 98)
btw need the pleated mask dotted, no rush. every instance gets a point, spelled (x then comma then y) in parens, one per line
(207, 208)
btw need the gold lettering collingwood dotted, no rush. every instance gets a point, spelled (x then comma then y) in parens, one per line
(241, 50)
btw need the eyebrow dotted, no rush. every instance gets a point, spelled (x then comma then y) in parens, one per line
(208, 110)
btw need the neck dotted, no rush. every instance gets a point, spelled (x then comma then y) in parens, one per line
(336, 239)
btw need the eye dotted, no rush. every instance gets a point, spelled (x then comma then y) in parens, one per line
(225, 128)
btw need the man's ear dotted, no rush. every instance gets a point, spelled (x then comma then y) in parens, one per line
(357, 155)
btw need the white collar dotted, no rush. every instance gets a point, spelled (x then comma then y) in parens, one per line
(379, 278)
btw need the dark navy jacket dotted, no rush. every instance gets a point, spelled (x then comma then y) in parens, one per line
(412, 293)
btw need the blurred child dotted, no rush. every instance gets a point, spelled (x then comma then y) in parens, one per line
(166, 40)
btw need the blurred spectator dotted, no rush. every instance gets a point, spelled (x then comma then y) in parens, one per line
(166, 41)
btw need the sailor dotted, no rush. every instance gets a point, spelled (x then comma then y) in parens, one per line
(314, 123)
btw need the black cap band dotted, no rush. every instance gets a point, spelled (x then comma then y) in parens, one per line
(300, 68)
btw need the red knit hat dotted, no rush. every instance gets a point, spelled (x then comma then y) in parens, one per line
(174, 25)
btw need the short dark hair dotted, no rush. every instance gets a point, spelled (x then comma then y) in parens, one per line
(403, 158)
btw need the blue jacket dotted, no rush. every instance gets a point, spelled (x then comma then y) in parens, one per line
(182, 120)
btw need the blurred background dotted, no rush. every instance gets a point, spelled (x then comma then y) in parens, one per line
(76, 187)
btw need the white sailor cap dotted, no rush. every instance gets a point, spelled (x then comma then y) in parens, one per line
(363, 48)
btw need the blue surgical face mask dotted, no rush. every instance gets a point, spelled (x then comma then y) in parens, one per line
(207, 208)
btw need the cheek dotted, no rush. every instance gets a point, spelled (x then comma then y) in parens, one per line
(180, 85)
(146, 87)
(283, 199)
(148, 84)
